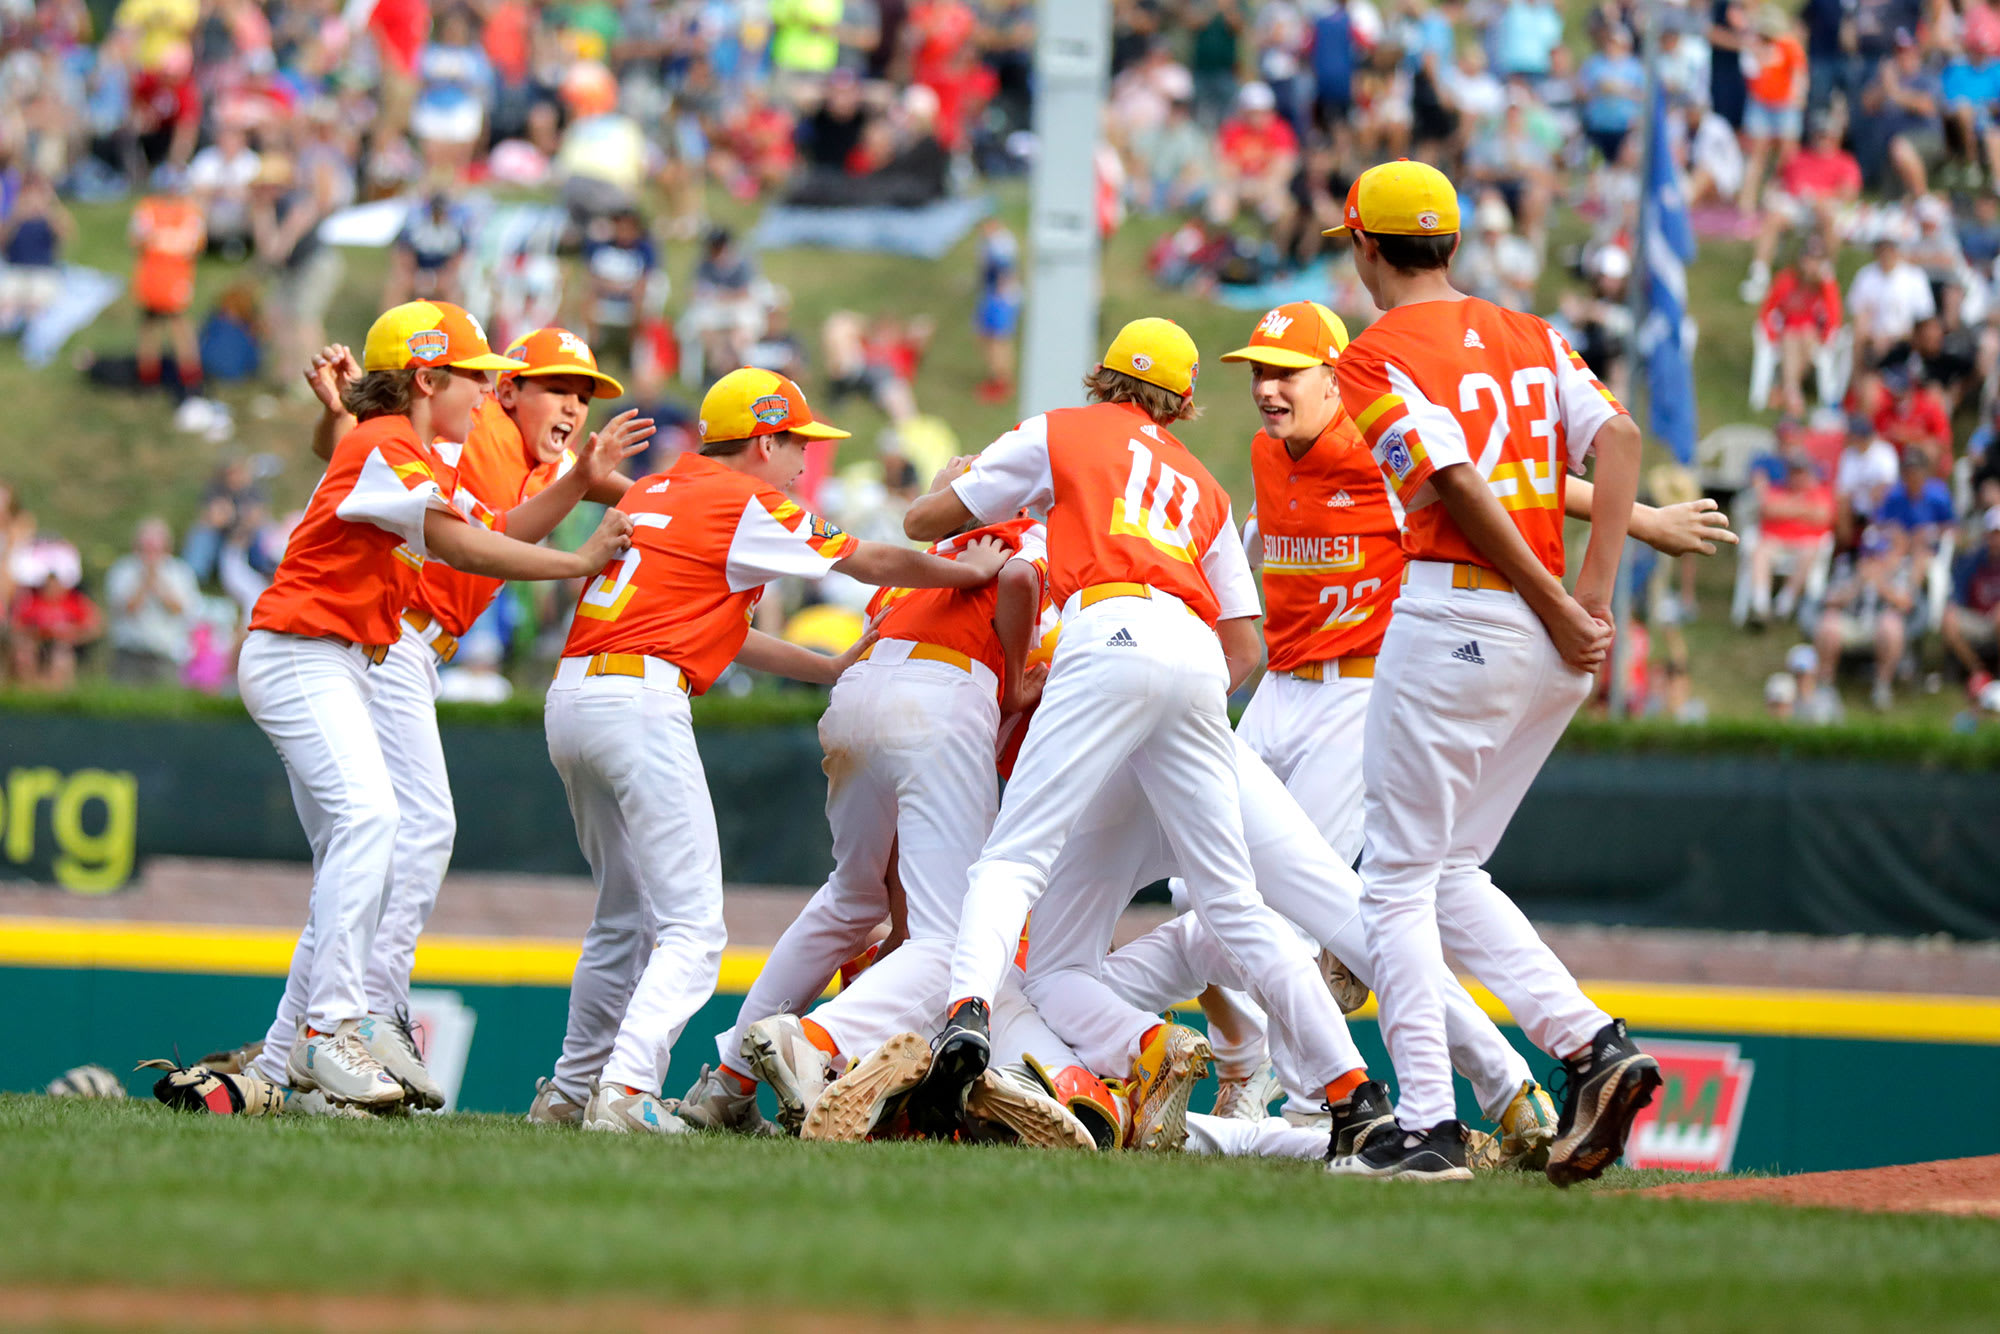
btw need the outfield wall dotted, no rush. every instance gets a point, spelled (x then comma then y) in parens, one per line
(1719, 842)
(1758, 1078)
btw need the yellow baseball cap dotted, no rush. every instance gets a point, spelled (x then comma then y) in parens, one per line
(560, 352)
(750, 402)
(1400, 198)
(1295, 335)
(1157, 351)
(430, 333)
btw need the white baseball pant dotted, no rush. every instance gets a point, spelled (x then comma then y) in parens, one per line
(1138, 687)
(404, 708)
(1272, 1137)
(1310, 734)
(625, 749)
(1470, 697)
(904, 992)
(311, 697)
(909, 762)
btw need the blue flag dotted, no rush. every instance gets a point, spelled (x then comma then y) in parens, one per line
(1664, 347)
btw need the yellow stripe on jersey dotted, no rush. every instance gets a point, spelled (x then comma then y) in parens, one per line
(414, 468)
(1526, 485)
(786, 511)
(1375, 411)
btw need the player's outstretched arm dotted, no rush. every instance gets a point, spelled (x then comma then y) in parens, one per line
(1689, 528)
(899, 567)
(478, 550)
(939, 512)
(768, 653)
(1614, 488)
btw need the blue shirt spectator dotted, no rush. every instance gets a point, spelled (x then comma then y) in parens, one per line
(1426, 35)
(1333, 59)
(1525, 34)
(1612, 83)
(1928, 504)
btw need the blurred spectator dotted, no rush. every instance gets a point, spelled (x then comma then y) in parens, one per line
(428, 252)
(163, 121)
(1256, 156)
(1867, 468)
(997, 318)
(286, 210)
(830, 134)
(166, 233)
(1945, 363)
(220, 176)
(1601, 315)
(1919, 505)
(1795, 514)
(755, 149)
(1728, 36)
(619, 268)
(51, 621)
(456, 94)
(604, 159)
(805, 37)
(233, 497)
(1868, 604)
(1773, 113)
(1511, 158)
(1970, 87)
(1214, 56)
(32, 237)
(1496, 264)
(474, 675)
(1169, 165)
(1817, 186)
(1714, 160)
(154, 602)
(1886, 299)
(1612, 81)
(1904, 107)
(1781, 695)
(1912, 416)
(1524, 36)
(232, 336)
(1800, 317)
(1972, 617)
(877, 359)
(724, 312)
(778, 348)
(1816, 706)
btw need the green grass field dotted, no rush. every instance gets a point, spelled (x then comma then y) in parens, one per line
(486, 1208)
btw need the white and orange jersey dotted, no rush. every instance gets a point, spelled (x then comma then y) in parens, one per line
(1127, 503)
(1446, 382)
(961, 619)
(490, 474)
(705, 540)
(354, 561)
(1331, 545)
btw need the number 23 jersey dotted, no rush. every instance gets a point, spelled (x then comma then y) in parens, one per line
(1447, 382)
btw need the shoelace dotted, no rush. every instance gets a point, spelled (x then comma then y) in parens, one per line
(406, 1030)
(348, 1048)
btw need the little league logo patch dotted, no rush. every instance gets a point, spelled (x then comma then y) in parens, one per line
(1396, 454)
(429, 344)
(1693, 1124)
(771, 409)
(824, 531)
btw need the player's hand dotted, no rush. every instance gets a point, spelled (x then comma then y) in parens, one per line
(622, 437)
(952, 471)
(332, 369)
(1689, 528)
(1032, 680)
(986, 555)
(854, 651)
(1582, 637)
(611, 540)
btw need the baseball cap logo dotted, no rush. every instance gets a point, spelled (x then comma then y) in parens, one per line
(1274, 325)
(1141, 362)
(1427, 220)
(771, 409)
(575, 346)
(477, 327)
(429, 344)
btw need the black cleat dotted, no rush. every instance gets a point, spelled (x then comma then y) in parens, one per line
(1357, 1116)
(1437, 1154)
(1606, 1089)
(959, 1056)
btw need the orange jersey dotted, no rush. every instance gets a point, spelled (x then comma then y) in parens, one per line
(961, 618)
(490, 474)
(353, 562)
(168, 233)
(706, 539)
(1446, 382)
(1127, 503)
(1332, 549)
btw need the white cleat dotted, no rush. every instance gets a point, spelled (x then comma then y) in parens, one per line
(780, 1054)
(340, 1065)
(1012, 1097)
(392, 1040)
(553, 1107)
(614, 1111)
(855, 1104)
(312, 1102)
(716, 1103)
(1247, 1097)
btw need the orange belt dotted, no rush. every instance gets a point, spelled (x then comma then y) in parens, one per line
(443, 643)
(374, 653)
(626, 664)
(1340, 668)
(932, 653)
(1474, 577)
(1097, 593)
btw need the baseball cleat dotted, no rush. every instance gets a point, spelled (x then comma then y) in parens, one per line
(780, 1054)
(392, 1040)
(1437, 1154)
(1352, 1120)
(340, 1065)
(717, 1103)
(1098, 1104)
(236, 1061)
(1167, 1070)
(312, 1102)
(961, 1053)
(1527, 1128)
(1011, 1096)
(1348, 993)
(553, 1107)
(1606, 1088)
(616, 1111)
(1306, 1120)
(1247, 1097)
(859, 1100)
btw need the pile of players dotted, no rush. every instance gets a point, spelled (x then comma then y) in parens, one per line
(1083, 613)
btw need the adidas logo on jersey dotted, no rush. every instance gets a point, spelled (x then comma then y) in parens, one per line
(657, 487)
(1340, 500)
(1123, 639)
(1469, 652)
(1472, 339)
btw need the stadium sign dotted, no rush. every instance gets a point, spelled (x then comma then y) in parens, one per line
(1693, 1123)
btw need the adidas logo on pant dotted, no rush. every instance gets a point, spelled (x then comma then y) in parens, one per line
(1469, 652)
(1123, 639)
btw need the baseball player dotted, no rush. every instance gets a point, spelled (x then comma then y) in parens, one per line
(653, 629)
(514, 472)
(1475, 414)
(329, 619)
(1158, 610)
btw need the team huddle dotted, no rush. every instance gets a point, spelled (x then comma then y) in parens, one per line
(1083, 612)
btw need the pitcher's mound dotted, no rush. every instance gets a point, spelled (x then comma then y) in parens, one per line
(1967, 1186)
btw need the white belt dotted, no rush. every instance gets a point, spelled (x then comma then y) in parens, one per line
(1442, 576)
(889, 652)
(658, 673)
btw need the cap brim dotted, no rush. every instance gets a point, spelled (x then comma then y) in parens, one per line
(1337, 232)
(1274, 356)
(613, 389)
(489, 361)
(820, 431)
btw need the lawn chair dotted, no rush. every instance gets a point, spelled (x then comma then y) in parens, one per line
(1831, 366)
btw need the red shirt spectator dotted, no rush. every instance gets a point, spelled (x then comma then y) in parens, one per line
(1254, 140)
(940, 29)
(1799, 510)
(1820, 170)
(1795, 304)
(962, 91)
(55, 614)
(1914, 414)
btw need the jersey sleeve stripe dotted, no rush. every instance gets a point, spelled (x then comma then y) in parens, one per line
(1375, 411)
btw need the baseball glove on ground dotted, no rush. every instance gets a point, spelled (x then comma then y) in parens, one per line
(86, 1081)
(196, 1088)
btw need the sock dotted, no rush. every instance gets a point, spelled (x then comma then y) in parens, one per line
(627, 1088)
(1346, 1084)
(744, 1083)
(820, 1038)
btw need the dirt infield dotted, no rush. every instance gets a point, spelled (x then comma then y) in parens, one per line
(207, 1310)
(1968, 1187)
